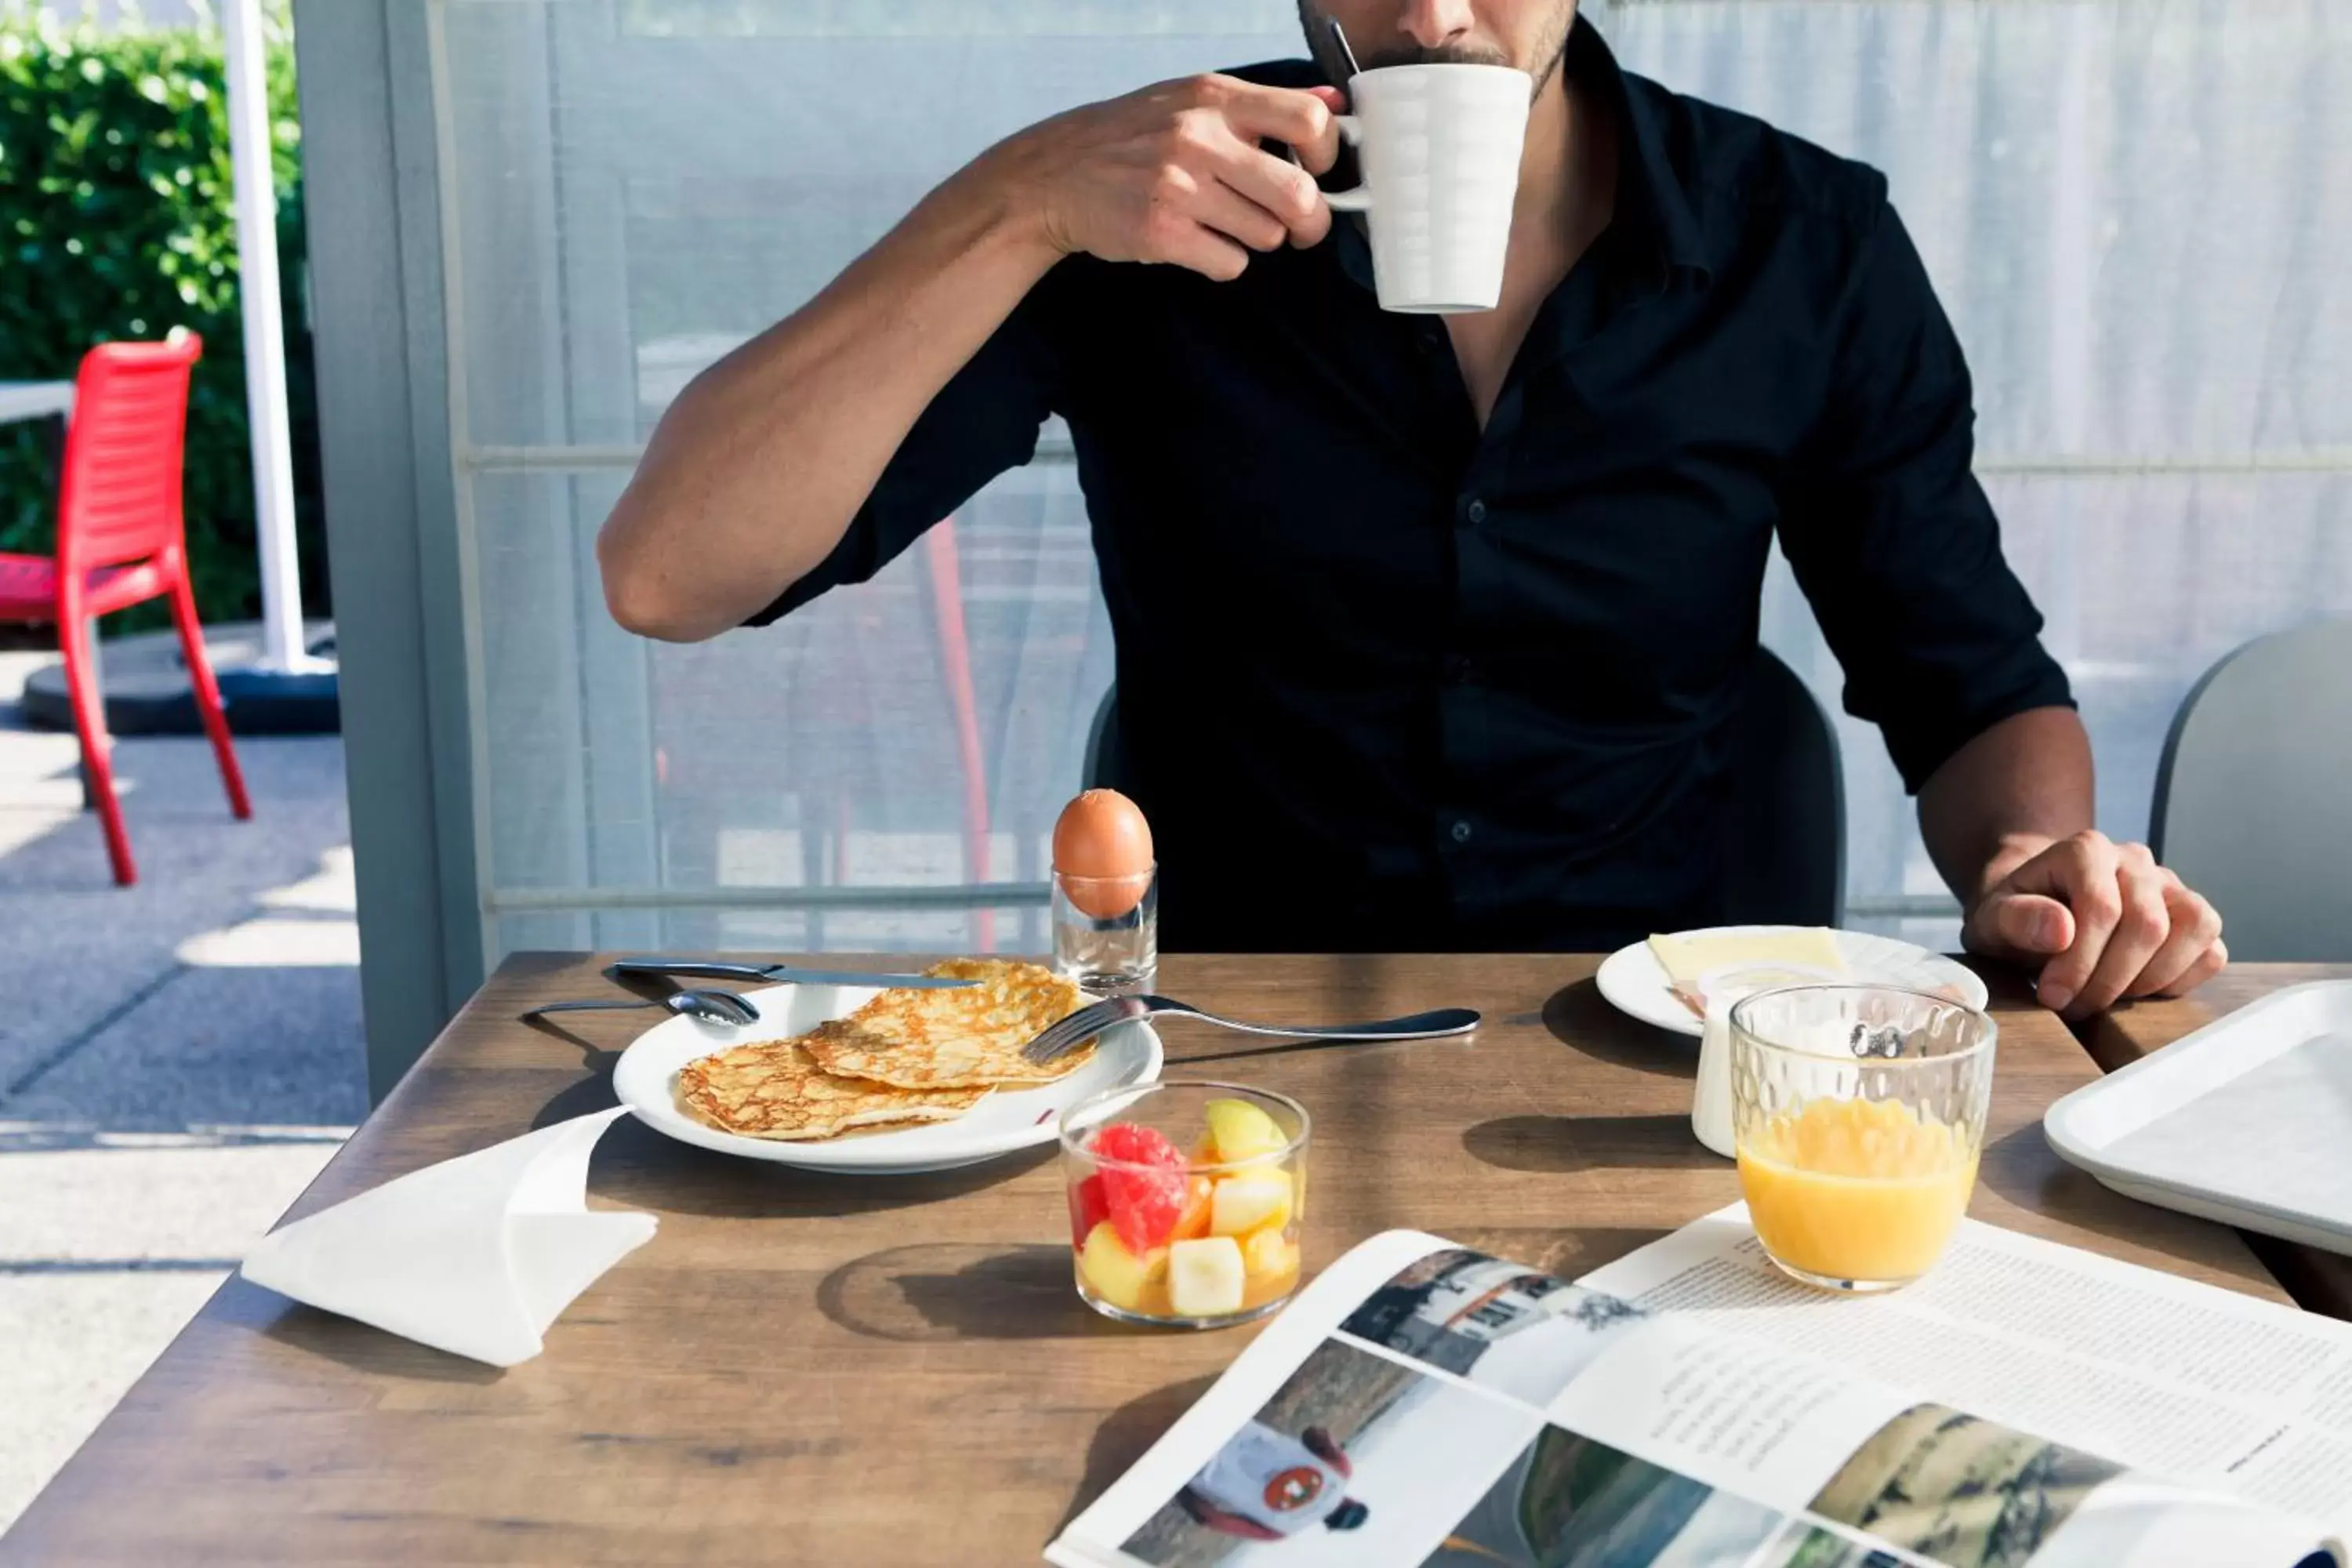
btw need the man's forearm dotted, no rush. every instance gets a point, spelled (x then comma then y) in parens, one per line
(2005, 796)
(755, 471)
(758, 468)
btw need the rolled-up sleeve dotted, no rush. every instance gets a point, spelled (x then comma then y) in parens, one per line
(982, 422)
(1893, 539)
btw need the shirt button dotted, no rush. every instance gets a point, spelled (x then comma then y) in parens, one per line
(1475, 512)
(1461, 833)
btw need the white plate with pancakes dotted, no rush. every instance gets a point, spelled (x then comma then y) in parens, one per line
(1636, 983)
(970, 1127)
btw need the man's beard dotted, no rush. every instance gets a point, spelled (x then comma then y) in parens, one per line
(1549, 52)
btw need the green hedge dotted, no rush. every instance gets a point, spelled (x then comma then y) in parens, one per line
(116, 220)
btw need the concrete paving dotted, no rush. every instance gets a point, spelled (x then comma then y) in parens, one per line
(177, 1059)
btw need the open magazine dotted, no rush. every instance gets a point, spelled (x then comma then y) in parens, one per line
(1686, 1406)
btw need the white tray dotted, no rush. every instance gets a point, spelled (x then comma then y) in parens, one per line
(2248, 1121)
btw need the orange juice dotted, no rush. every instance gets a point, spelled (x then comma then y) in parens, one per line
(1862, 1190)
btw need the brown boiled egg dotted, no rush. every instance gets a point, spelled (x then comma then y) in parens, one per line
(1102, 851)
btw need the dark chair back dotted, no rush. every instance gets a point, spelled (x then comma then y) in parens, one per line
(1787, 854)
(1787, 860)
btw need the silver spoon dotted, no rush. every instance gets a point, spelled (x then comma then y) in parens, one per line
(710, 1006)
(1340, 36)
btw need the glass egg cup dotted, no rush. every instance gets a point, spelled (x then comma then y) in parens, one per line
(1106, 931)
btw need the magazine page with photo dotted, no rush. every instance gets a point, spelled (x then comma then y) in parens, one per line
(2222, 1392)
(1424, 1404)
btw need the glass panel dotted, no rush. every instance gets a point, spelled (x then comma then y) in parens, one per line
(2130, 213)
(1014, 930)
(638, 187)
(870, 739)
(918, 731)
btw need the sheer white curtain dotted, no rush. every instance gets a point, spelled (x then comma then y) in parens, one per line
(630, 187)
(2134, 209)
(2136, 212)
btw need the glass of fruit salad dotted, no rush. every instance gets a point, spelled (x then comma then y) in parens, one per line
(1185, 1201)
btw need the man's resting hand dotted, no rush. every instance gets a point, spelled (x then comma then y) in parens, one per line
(2110, 921)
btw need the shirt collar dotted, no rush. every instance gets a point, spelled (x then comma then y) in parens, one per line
(1653, 205)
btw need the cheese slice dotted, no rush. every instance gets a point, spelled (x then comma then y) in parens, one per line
(1689, 959)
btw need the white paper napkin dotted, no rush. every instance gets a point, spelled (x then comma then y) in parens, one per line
(476, 1256)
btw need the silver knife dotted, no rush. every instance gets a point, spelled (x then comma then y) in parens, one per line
(782, 973)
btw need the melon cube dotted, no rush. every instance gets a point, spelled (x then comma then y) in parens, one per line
(1265, 1254)
(1244, 1203)
(1242, 1131)
(1205, 1277)
(1114, 1274)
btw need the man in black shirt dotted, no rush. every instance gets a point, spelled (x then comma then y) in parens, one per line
(1428, 628)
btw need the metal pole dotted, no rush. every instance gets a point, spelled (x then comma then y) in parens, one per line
(265, 341)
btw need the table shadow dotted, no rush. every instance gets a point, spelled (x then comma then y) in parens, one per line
(638, 1167)
(2022, 1167)
(961, 1290)
(1564, 1144)
(1287, 1048)
(592, 1093)
(363, 1348)
(1124, 1436)
(1580, 1018)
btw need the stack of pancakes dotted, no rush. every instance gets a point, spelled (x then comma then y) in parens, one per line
(906, 1056)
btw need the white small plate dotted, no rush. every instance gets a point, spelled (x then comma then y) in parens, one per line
(1635, 983)
(645, 1080)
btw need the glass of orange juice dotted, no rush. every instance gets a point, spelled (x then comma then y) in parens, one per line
(1858, 1113)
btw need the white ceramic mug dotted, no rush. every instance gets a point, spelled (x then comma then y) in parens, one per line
(1440, 148)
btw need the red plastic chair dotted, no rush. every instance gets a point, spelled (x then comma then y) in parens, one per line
(121, 542)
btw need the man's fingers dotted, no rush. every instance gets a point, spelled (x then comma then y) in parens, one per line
(1282, 189)
(1301, 118)
(1207, 252)
(1225, 211)
(2209, 964)
(2196, 927)
(2080, 872)
(2141, 932)
(2024, 925)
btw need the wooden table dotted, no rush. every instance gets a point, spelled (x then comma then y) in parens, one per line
(895, 1371)
(2321, 1281)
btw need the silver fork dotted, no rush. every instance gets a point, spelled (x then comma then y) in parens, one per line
(1060, 1039)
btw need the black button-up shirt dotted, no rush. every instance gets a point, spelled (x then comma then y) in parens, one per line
(1389, 681)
